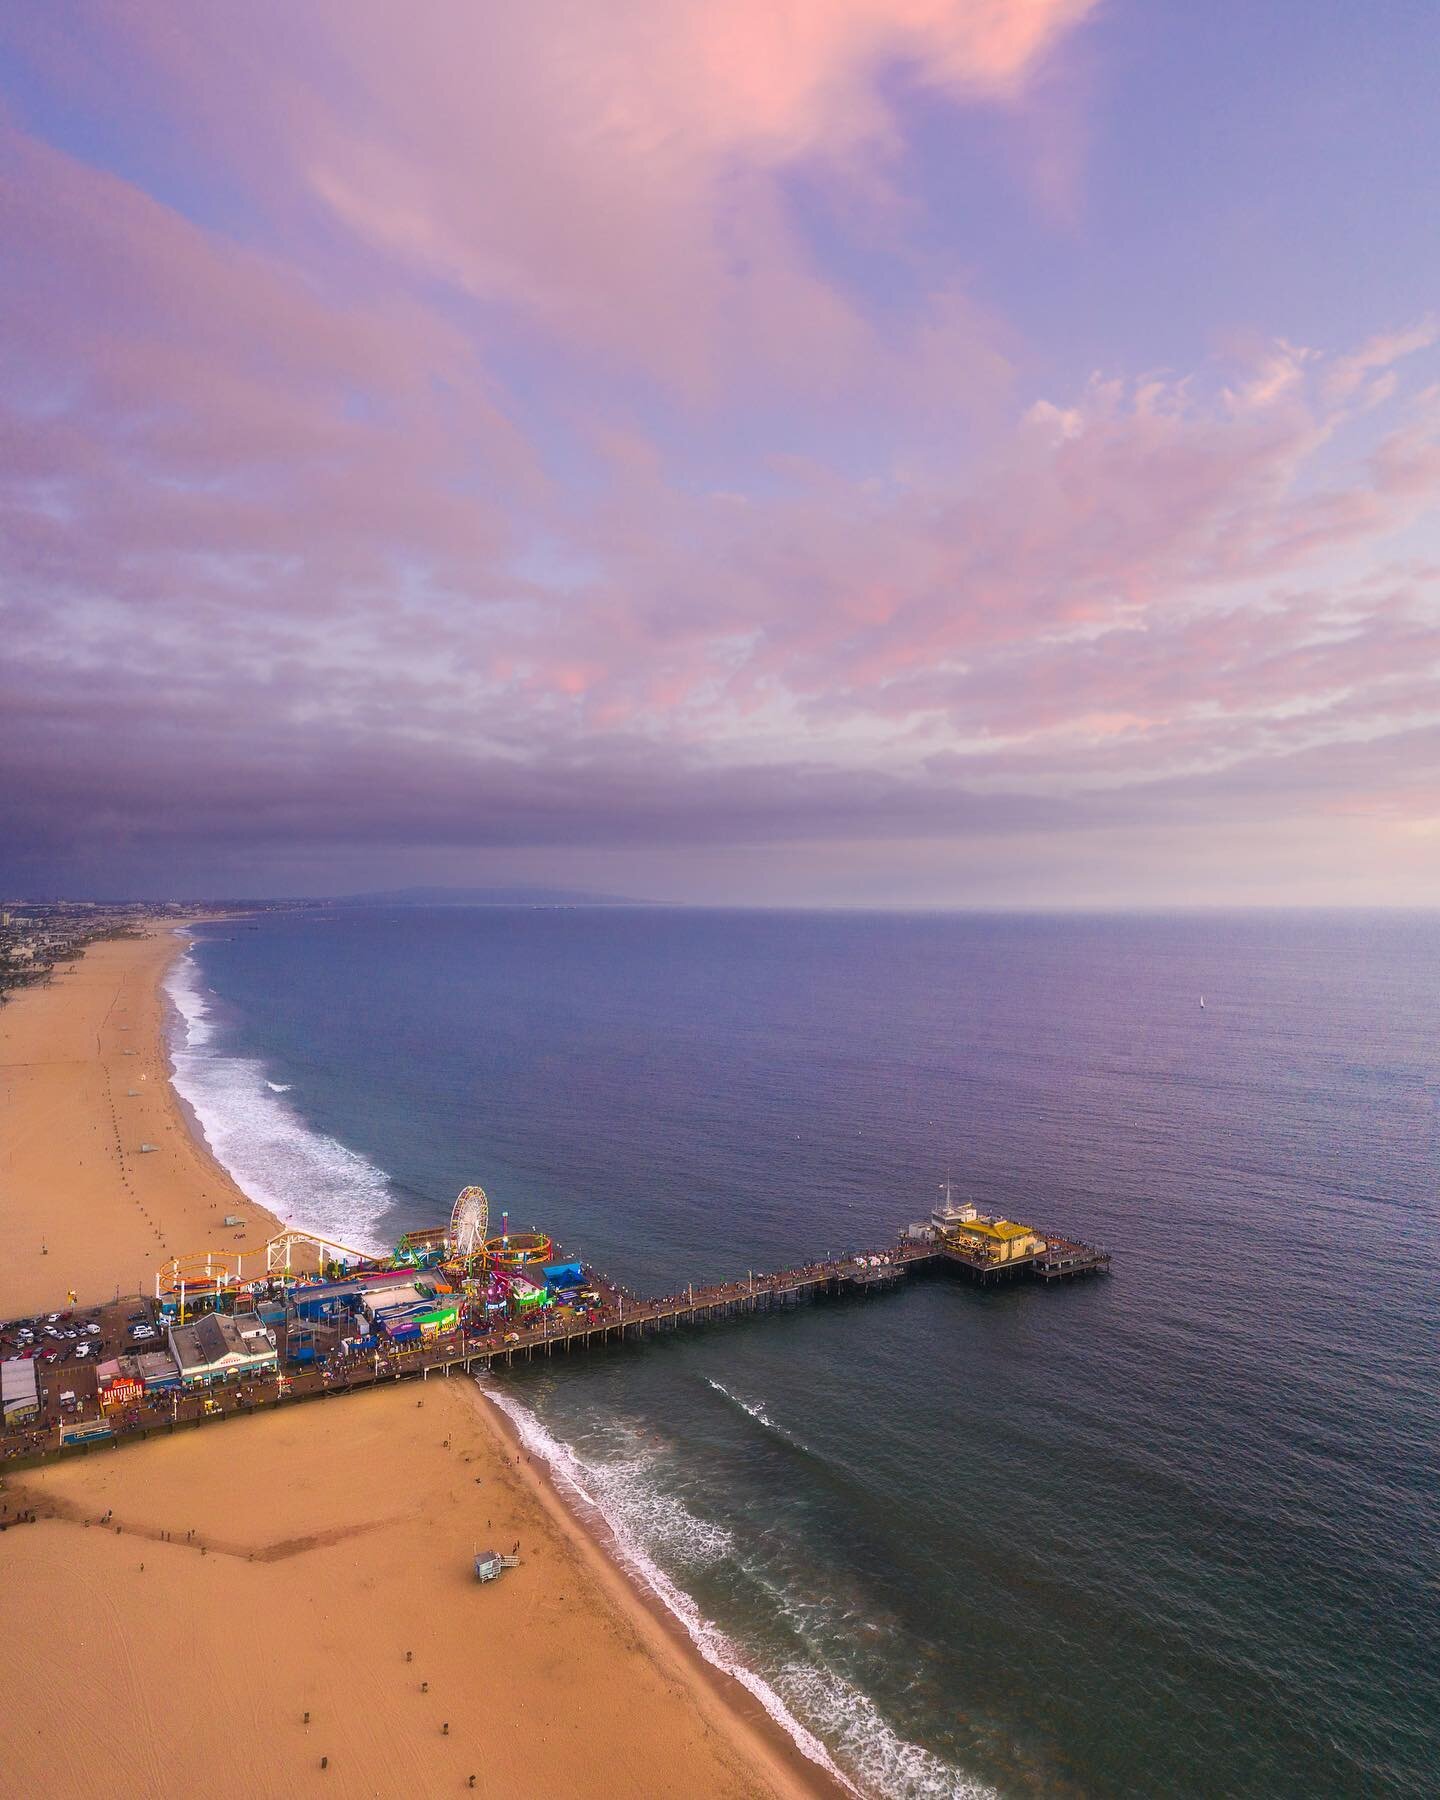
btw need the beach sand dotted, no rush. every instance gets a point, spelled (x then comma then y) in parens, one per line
(316, 1560)
(84, 1082)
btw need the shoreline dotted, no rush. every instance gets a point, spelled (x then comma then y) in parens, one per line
(172, 1021)
(595, 1538)
(737, 1728)
(87, 1075)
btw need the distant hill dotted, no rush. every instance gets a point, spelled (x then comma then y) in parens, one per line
(480, 896)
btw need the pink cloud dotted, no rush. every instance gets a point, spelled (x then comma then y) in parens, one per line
(608, 172)
(268, 490)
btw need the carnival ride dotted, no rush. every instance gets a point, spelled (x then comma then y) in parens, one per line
(279, 1251)
(198, 1281)
(490, 1271)
(469, 1222)
(518, 1249)
(419, 1249)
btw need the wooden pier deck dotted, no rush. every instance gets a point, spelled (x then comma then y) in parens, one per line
(621, 1316)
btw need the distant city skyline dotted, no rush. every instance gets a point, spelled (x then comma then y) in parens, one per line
(858, 452)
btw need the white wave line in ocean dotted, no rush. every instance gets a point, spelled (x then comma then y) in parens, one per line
(756, 1409)
(307, 1179)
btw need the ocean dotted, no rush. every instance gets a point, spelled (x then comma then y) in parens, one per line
(1170, 1532)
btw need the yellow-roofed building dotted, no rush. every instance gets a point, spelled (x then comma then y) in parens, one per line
(1002, 1240)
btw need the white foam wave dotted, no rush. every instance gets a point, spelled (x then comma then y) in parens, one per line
(307, 1179)
(599, 1490)
(638, 1517)
(278, 1087)
(883, 1761)
(756, 1409)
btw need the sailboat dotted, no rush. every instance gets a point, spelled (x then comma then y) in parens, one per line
(1202, 1003)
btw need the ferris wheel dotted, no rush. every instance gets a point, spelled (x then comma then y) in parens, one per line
(469, 1221)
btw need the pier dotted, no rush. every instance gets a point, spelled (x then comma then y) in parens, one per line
(306, 1355)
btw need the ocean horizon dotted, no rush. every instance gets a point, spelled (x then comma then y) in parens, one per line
(1161, 1532)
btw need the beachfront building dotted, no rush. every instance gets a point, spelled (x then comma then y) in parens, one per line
(124, 1379)
(218, 1347)
(19, 1391)
(1001, 1240)
(117, 1384)
(158, 1370)
(952, 1212)
(409, 1311)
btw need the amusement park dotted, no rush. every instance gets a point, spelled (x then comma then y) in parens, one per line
(433, 1283)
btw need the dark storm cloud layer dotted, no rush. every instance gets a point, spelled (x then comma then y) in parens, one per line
(363, 489)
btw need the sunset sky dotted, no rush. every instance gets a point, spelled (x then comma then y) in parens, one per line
(940, 452)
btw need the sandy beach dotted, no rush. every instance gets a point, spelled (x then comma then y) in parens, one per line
(310, 1562)
(84, 1082)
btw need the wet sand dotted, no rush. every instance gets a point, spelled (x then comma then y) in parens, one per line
(272, 1566)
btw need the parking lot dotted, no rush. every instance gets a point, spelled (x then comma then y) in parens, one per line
(67, 1344)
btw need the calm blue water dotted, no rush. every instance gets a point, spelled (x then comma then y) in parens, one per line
(1173, 1533)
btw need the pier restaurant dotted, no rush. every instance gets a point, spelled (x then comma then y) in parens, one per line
(220, 1348)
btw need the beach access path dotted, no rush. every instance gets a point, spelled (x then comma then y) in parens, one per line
(178, 1608)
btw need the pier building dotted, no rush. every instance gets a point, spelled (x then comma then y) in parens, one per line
(1002, 1240)
(19, 1391)
(222, 1347)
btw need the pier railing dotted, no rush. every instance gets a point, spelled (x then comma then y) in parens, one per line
(620, 1315)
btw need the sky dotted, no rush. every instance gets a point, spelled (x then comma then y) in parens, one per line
(844, 452)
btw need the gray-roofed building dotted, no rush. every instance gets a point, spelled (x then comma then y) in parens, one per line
(219, 1348)
(157, 1369)
(19, 1390)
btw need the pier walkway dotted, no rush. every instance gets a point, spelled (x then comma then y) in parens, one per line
(620, 1316)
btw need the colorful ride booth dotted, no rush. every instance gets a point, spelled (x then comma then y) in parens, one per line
(417, 1311)
(565, 1281)
(510, 1284)
(528, 1298)
(488, 1298)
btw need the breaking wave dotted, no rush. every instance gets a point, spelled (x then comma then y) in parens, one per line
(756, 1409)
(305, 1178)
(879, 1758)
(640, 1520)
